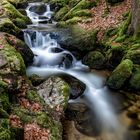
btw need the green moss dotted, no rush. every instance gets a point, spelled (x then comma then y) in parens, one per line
(19, 23)
(65, 91)
(82, 39)
(125, 25)
(3, 86)
(4, 101)
(94, 59)
(83, 4)
(35, 97)
(74, 20)
(81, 13)
(60, 14)
(25, 115)
(6, 25)
(4, 123)
(135, 80)
(133, 55)
(4, 134)
(43, 119)
(111, 32)
(14, 59)
(13, 13)
(58, 2)
(3, 113)
(119, 76)
(120, 39)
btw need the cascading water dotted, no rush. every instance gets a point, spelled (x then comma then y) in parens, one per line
(51, 59)
(39, 12)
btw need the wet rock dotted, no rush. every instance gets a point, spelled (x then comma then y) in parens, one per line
(94, 59)
(119, 76)
(36, 80)
(11, 12)
(6, 25)
(83, 118)
(76, 38)
(77, 88)
(21, 47)
(55, 92)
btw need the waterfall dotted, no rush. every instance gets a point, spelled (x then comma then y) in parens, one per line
(50, 59)
(39, 12)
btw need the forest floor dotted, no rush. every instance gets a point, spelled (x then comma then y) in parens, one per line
(107, 16)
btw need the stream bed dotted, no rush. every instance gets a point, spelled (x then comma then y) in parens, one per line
(93, 115)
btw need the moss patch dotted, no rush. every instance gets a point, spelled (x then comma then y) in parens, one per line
(120, 74)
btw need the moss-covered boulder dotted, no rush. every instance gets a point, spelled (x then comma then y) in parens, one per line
(121, 74)
(94, 59)
(77, 38)
(14, 60)
(11, 12)
(20, 46)
(6, 25)
(135, 80)
(114, 55)
(133, 55)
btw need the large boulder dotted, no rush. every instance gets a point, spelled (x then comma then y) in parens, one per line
(76, 38)
(20, 46)
(9, 11)
(6, 25)
(55, 93)
(94, 59)
(120, 75)
(11, 60)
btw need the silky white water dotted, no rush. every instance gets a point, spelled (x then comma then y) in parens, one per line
(50, 59)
